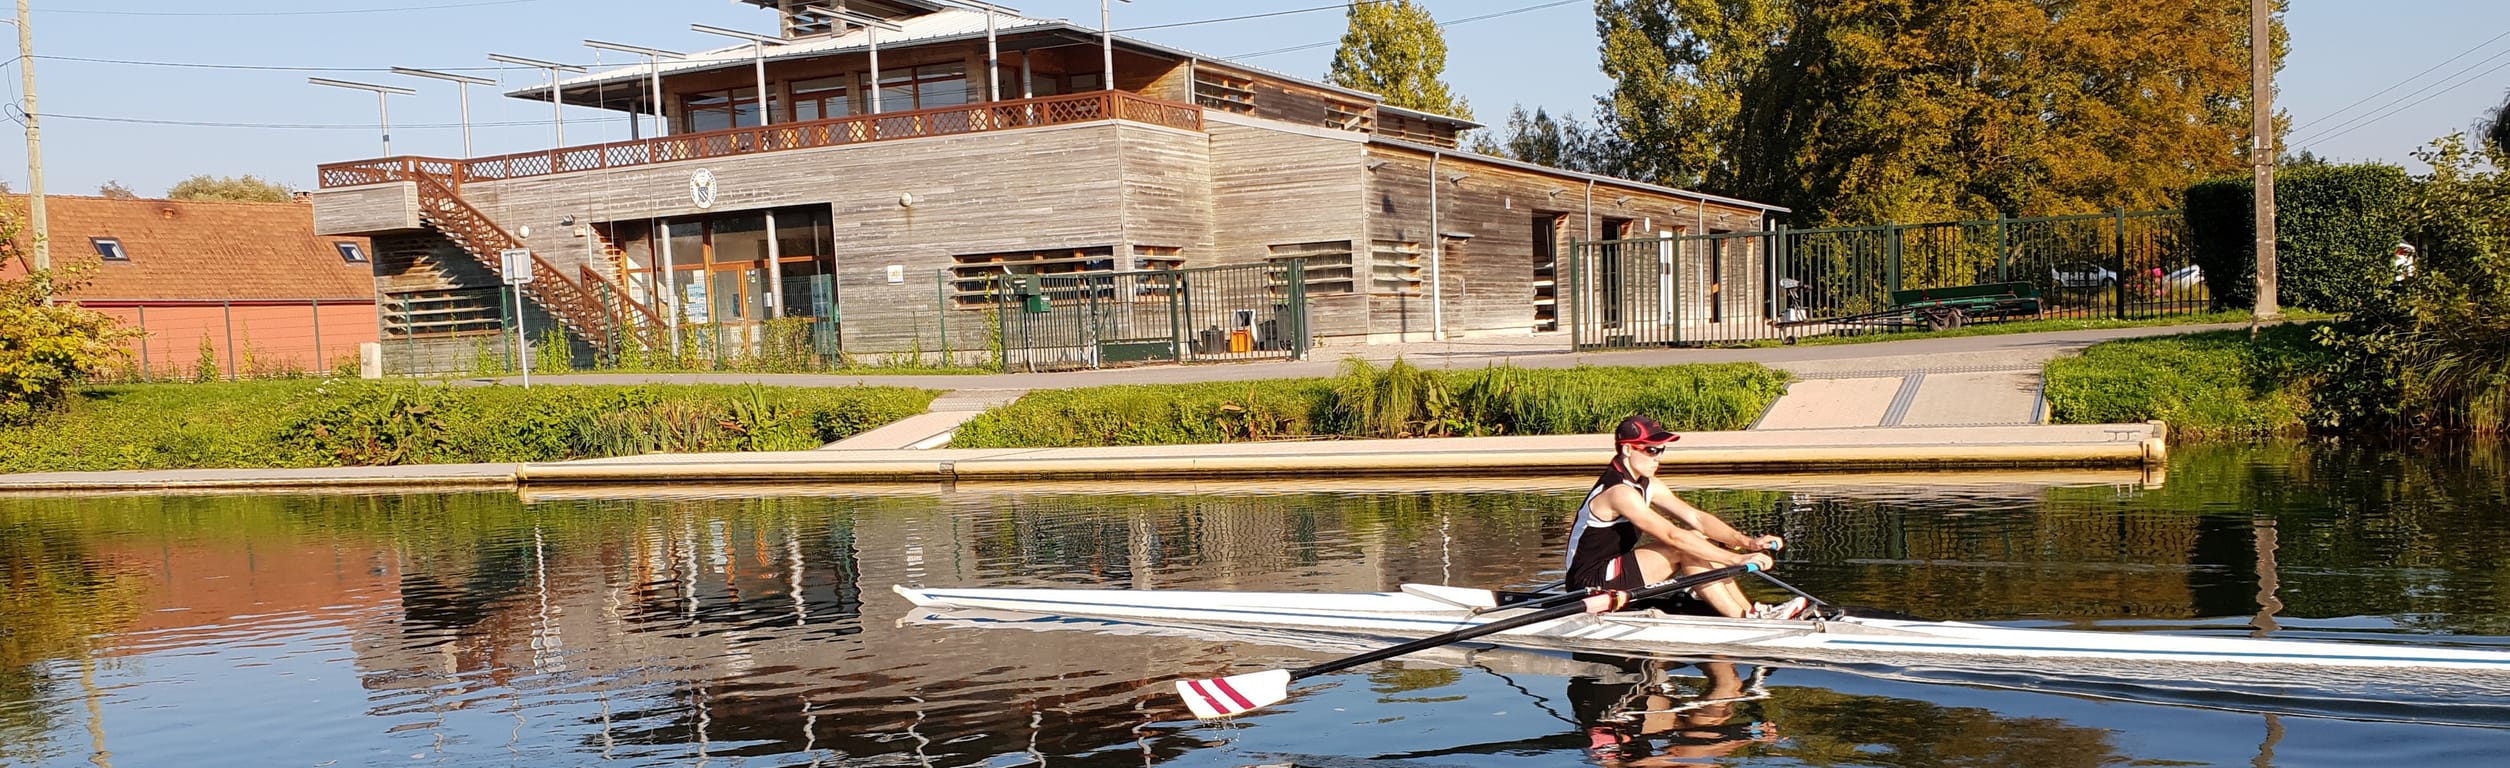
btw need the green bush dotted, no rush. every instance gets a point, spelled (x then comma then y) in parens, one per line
(2335, 226)
(1399, 400)
(357, 423)
(2213, 384)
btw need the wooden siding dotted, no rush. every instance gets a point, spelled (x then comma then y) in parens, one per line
(1046, 188)
(1489, 286)
(364, 210)
(1277, 186)
(423, 260)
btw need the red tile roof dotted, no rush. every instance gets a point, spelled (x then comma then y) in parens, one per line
(198, 250)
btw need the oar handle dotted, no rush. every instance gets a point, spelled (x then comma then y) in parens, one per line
(1512, 622)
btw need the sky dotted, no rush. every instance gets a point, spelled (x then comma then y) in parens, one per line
(2364, 81)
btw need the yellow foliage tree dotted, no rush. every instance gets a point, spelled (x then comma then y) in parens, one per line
(44, 349)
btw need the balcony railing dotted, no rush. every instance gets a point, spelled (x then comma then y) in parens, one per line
(834, 132)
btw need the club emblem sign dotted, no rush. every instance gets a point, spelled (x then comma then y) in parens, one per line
(702, 187)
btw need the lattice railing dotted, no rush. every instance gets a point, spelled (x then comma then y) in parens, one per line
(891, 126)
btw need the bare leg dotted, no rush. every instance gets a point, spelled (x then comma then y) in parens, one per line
(1659, 562)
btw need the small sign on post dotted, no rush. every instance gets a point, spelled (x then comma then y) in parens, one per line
(516, 264)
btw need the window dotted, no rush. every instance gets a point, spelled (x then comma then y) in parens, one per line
(349, 252)
(824, 98)
(931, 86)
(1227, 93)
(110, 248)
(720, 110)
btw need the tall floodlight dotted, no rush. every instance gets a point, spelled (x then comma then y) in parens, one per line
(382, 94)
(461, 83)
(557, 107)
(758, 63)
(871, 32)
(993, 55)
(653, 72)
(1106, 48)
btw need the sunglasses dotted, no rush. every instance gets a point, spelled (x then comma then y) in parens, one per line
(1653, 450)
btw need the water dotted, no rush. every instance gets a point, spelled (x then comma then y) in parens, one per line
(569, 628)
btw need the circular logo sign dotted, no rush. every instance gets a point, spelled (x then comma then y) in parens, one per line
(702, 188)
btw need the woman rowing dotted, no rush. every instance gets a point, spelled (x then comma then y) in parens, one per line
(1607, 552)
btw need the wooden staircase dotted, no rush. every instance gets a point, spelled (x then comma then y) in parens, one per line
(588, 304)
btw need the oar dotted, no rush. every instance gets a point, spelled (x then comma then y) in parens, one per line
(1224, 696)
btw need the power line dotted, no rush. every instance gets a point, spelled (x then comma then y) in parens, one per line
(331, 12)
(297, 126)
(2400, 83)
(2364, 122)
(1292, 12)
(1441, 25)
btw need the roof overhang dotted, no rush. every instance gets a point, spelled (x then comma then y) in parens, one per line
(1579, 175)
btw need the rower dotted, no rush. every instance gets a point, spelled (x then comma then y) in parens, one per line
(1607, 552)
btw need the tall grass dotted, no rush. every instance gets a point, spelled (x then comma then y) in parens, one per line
(2212, 384)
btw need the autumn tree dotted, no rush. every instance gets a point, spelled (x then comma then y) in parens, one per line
(243, 189)
(1395, 50)
(44, 348)
(1565, 143)
(1916, 110)
(113, 190)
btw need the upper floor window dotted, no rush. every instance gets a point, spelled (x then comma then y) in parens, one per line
(719, 110)
(110, 248)
(931, 86)
(823, 98)
(1227, 93)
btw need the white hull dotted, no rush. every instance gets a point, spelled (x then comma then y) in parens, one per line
(1436, 610)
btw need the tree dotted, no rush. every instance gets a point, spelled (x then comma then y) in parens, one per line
(1915, 110)
(245, 189)
(44, 349)
(1395, 50)
(113, 190)
(2494, 130)
(1565, 143)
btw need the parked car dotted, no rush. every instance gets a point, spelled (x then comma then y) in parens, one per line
(2186, 277)
(2082, 275)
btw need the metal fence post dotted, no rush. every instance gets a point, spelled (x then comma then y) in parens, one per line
(1574, 295)
(1891, 255)
(2118, 261)
(1176, 322)
(144, 372)
(1298, 308)
(228, 307)
(318, 359)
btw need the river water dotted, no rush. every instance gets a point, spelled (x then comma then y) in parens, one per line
(756, 627)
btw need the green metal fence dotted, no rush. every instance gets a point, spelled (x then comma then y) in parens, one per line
(1746, 286)
(1099, 319)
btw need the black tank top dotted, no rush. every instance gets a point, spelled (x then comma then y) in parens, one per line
(1595, 544)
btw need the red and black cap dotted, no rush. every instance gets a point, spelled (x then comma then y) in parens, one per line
(1643, 431)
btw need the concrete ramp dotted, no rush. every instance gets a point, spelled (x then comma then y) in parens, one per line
(1910, 399)
(933, 427)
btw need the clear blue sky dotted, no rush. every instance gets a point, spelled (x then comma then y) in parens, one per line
(1538, 53)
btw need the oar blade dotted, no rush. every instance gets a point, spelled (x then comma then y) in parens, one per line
(1236, 694)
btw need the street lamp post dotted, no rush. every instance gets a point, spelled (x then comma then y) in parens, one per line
(557, 106)
(758, 63)
(461, 83)
(653, 72)
(383, 93)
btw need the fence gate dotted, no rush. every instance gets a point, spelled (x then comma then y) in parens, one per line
(1099, 319)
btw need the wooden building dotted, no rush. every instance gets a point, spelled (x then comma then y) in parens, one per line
(889, 209)
(230, 289)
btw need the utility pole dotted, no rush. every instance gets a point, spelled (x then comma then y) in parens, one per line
(42, 237)
(2262, 151)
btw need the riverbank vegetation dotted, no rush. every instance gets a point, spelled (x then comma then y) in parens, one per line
(1367, 401)
(310, 423)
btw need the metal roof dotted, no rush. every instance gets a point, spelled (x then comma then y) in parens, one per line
(1582, 175)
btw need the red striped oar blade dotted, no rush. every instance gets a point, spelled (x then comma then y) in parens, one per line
(1225, 696)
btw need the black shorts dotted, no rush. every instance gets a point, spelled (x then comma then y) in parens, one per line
(1620, 573)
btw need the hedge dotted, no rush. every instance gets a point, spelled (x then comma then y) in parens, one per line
(2335, 228)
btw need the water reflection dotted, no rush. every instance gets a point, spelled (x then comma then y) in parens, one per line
(471, 629)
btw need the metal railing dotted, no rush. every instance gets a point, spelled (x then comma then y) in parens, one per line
(1747, 286)
(832, 132)
(1099, 319)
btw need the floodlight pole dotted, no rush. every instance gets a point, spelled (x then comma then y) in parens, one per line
(557, 106)
(871, 35)
(653, 71)
(1107, 49)
(993, 54)
(461, 83)
(758, 65)
(383, 94)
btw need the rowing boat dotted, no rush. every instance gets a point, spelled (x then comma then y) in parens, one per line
(1419, 610)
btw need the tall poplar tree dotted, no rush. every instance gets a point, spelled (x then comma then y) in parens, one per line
(1395, 50)
(1916, 110)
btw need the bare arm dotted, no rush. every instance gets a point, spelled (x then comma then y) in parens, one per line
(1689, 540)
(1712, 527)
